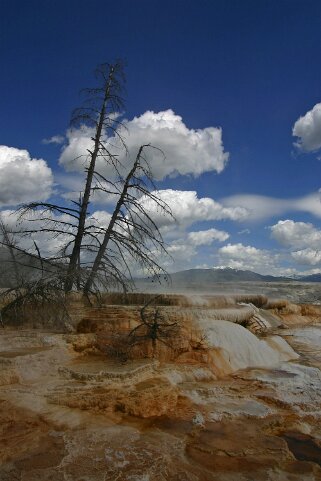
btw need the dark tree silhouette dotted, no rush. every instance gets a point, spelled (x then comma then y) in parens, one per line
(8, 242)
(154, 327)
(92, 256)
(101, 104)
(131, 233)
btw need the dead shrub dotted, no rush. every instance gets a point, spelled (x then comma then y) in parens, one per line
(258, 300)
(310, 310)
(277, 304)
(116, 345)
(140, 299)
(36, 304)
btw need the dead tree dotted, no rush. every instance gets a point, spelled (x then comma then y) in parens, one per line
(30, 283)
(18, 261)
(98, 112)
(154, 327)
(131, 234)
(104, 101)
(39, 301)
(92, 256)
(7, 240)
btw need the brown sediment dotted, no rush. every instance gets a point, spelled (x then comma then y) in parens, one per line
(179, 413)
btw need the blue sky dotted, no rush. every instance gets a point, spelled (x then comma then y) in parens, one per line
(251, 68)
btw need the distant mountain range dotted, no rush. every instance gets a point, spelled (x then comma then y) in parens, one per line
(30, 267)
(210, 276)
(312, 278)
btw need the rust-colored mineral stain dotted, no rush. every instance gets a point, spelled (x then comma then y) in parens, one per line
(82, 415)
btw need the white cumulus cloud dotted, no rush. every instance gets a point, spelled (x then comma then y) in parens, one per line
(308, 130)
(38, 225)
(22, 178)
(303, 236)
(74, 155)
(186, 248)
(244, 254)
(239, 256)
(187, 208)
(187, 151)
(181, 255)
(308, 256)
(296, 234)
(48, 243)
(207, 237)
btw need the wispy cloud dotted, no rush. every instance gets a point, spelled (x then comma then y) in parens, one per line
(55, 139)
(262, 207)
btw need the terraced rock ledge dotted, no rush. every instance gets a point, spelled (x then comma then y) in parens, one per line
(235, 396)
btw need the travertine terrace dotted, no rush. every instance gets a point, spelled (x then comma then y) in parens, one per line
(235, 396)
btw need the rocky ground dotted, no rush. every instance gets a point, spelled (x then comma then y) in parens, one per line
(240, 404)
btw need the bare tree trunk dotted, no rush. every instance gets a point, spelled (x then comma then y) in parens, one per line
(111, 225)
(75, 255)
(9, 243)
